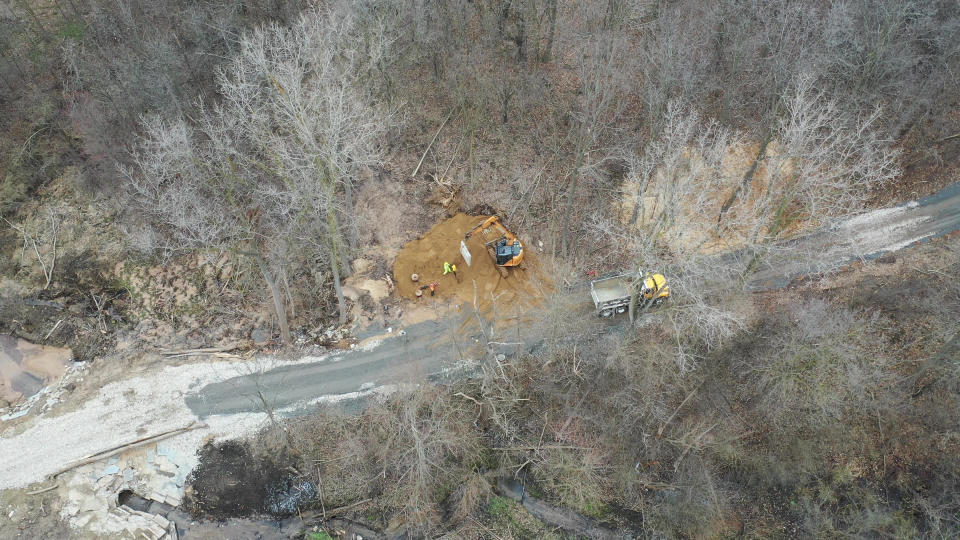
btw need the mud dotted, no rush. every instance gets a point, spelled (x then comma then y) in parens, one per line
(26, 368)
(522, 289)
(230, 481)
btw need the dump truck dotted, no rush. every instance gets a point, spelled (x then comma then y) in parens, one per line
(611, 295)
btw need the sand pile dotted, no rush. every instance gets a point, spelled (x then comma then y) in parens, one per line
(523, 288)
(26, 368)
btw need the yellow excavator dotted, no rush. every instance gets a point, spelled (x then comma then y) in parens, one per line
(505, 249)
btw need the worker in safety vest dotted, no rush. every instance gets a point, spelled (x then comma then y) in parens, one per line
(431, 286)
(450, 269)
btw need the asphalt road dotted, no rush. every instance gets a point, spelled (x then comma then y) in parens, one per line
(433, 350)
(425, 351)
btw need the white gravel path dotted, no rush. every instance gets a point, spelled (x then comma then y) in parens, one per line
(124, 411)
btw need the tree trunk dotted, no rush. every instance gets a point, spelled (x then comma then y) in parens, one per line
(505, 96)
(63, 14)
(337, 247)
(17, 65)
(75, 10)
(571, 196)
(278, 306)
(502, 17)
(7, 83)
(552, 16)
(334, 240)
(33, 15)
(186, 61)
(565, 229)
(747, 177)
(352, 239)
(338, 288)
(521, 39)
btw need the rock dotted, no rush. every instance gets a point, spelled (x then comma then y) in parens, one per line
(888, 258)
(259, 336)
(361, 265)
(350, 292)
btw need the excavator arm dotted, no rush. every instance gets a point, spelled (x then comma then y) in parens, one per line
(492, 221)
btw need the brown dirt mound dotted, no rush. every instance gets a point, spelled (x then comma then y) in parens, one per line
(523, 288)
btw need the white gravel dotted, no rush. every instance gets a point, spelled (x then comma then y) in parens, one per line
(124, 411)
(884, 229)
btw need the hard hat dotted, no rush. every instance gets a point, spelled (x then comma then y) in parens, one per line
(414, 277)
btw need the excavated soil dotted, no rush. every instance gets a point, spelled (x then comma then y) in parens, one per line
(522, 289)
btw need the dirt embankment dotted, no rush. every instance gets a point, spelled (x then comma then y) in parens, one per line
(524, 287)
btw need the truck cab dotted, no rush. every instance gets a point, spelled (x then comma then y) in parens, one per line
(611, 295)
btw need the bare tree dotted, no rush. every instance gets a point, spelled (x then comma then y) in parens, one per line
(602, 75)
(41, 239)
(674, 176)
(269, 170)
(824, 166)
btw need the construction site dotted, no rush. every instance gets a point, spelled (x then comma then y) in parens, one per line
(481, 283)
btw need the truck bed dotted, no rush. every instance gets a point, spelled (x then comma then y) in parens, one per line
(609, 289)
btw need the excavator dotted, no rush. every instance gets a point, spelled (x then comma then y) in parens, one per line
(505, 250)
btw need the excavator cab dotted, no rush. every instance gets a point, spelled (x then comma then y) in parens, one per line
(507, 252)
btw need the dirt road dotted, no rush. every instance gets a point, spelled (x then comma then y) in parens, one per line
(862, 238)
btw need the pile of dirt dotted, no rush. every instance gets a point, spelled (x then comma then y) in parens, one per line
(524, 287)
